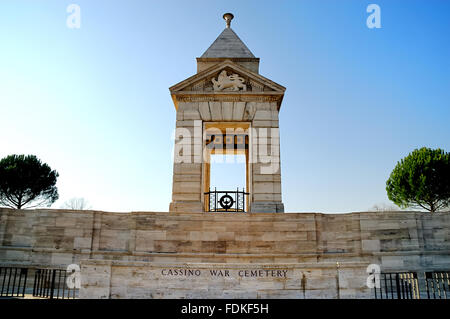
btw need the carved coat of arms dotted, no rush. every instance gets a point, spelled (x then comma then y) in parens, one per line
(231, 82)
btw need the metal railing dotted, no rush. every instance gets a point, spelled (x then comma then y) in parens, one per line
(52, 284)
(398, 286)
(226, 201)
(13, 281)
(405, 285)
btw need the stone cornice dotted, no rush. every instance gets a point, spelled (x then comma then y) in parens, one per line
(190, 96)
(231, 59)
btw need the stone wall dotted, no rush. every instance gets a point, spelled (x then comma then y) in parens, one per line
(396, 240)
(324, 255)
(122, 279)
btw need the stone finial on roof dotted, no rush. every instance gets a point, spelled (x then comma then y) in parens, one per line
(228, 44)
(228, 17)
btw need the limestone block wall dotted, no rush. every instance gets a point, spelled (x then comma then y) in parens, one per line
(266, 170)
(264, 159)
(187, 170)
(396, 240)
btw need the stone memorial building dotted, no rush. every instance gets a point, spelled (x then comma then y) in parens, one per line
(227, 108)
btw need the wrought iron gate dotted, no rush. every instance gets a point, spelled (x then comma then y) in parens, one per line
(226, 201)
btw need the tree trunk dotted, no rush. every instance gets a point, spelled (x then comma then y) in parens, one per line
(432, 207)
(19, 203)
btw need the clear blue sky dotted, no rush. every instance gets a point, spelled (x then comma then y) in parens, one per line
(94, 102)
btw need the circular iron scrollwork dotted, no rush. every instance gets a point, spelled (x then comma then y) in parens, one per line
(226, 201)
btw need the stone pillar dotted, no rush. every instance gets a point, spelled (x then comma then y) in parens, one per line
(187, 167)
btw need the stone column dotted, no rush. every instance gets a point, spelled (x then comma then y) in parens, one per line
(187, 167)
(265, 159)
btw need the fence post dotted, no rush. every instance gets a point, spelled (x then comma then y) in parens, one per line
(52, 285)
(25, 281)
(337, 281)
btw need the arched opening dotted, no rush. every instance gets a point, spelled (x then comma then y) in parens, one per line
(226, 174)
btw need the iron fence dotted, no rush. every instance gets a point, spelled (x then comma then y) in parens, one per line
(438, 284)
(52, 284)
(413, 285)
(226, 201)
(398, 286)
(13, 281)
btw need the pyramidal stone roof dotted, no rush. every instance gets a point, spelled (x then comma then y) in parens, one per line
(228, 45)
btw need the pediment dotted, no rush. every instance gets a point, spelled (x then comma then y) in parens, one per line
(227, 77)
